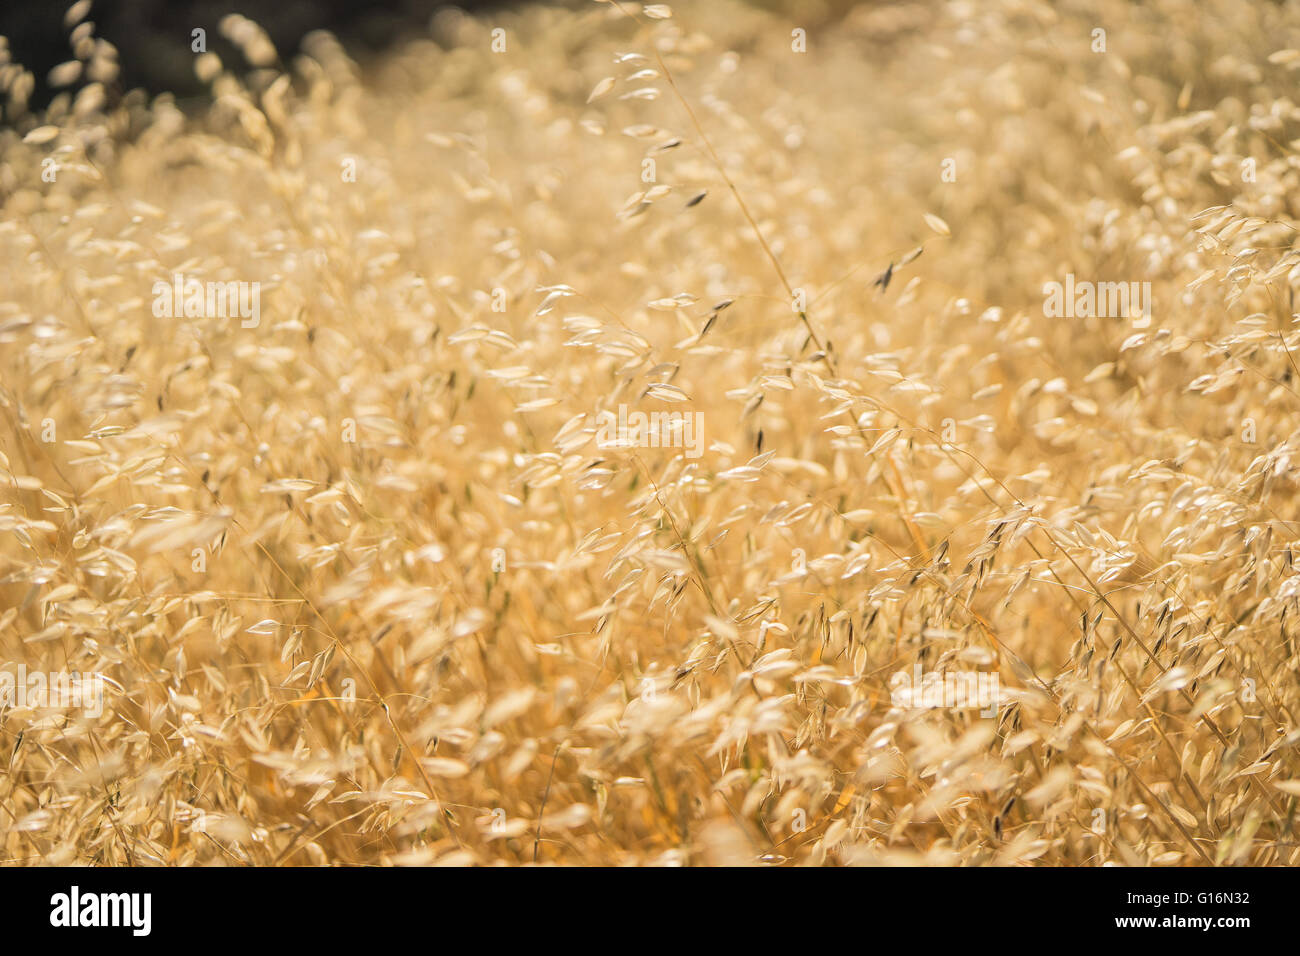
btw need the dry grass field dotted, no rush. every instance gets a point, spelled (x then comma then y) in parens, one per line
(351, 567)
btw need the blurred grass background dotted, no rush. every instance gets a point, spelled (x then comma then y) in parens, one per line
(153, 37)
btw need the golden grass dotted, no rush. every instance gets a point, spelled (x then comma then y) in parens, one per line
(367, 590)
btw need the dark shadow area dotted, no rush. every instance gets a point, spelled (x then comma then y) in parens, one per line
(155, 38)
